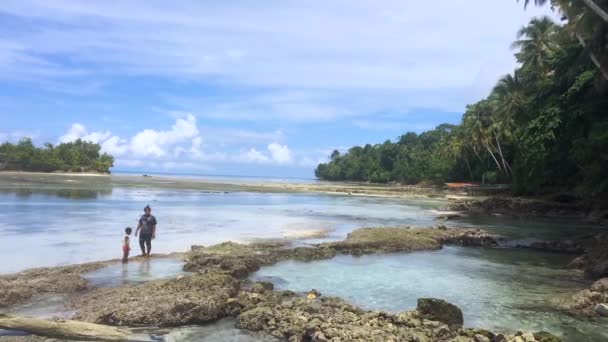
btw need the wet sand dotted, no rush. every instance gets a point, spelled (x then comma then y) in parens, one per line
(10, 180)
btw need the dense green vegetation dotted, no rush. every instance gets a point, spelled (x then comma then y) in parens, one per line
(543, 128)
(77, 156)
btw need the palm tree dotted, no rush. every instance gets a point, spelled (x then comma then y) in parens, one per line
(479, 125)
(595, 8)
(585, 27)
(536, 43)
(509, 92)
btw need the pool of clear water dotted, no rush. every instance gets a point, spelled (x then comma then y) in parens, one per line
(136, 272)
(498, 289)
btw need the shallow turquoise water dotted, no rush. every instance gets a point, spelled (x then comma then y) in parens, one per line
(221, 331)
(498, 289)
(136, 272)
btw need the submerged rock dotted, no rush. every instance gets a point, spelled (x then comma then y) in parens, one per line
(188, 300)
(440, 310)
(592, 248)
(586, 302)
(596, 255)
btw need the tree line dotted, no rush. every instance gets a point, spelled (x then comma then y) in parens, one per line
(543, 128)
(77, 156)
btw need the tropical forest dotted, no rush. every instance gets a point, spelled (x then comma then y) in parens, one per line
(542, 129)
(76, 156)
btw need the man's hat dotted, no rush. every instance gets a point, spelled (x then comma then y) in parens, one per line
(147, 207)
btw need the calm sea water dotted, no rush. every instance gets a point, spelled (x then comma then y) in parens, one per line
(501, 289)
(68, 226)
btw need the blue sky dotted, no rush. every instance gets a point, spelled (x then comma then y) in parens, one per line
(265, 88)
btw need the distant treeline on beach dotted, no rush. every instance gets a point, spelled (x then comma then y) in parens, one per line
(542, 129)
(77, 156)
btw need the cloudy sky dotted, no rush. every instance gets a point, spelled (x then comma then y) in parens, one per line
(245, 87)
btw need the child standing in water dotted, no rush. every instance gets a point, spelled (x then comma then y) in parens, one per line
(126, 245)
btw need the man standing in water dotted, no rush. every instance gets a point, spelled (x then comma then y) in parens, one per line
(147, 224)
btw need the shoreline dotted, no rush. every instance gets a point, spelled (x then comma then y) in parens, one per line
(10, 180)
(56, 173)
(458, 202)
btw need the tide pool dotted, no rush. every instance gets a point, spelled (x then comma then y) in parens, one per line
(497, 289)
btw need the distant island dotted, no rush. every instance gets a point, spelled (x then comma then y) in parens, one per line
(543, 129)
(77, 156)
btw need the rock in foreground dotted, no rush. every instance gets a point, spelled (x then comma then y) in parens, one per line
(440, 310)
(22, 286)
(186, 300)
(297, 319)
(586, 302)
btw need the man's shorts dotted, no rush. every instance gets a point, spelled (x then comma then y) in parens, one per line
(147, 238)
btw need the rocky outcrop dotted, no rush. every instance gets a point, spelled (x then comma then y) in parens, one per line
(391, 240)
(331, 319)
(298, 318)
(586, 302)
(240, 260)
(187, 300)
(441, 311)
(518, 207)
(22, 286)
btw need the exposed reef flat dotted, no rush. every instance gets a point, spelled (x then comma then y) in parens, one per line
(218, 287)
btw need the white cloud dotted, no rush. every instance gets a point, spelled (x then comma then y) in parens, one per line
(154, 143)
(181, 145)
(280, 153)
(275, 154)
(115, 146)
(344, 46)
(255, 156)
(78, 131)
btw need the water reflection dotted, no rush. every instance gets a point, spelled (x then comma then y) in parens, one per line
(62, 230)
(136, 272)
(61, 193)
(223, 330)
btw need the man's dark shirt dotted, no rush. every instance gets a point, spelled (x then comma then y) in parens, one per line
(147, 224)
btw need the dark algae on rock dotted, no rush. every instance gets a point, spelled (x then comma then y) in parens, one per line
(440, 310)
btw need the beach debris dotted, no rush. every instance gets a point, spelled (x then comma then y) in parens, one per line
(70, 330)
(602, 310)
